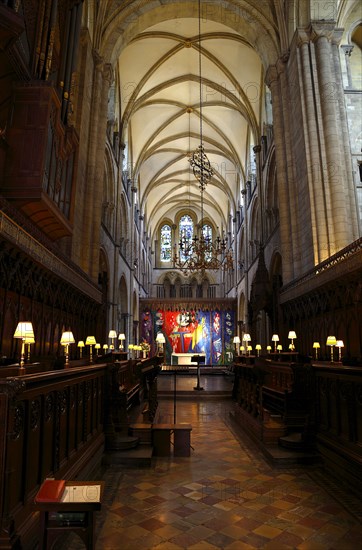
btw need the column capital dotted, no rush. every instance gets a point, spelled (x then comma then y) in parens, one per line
(271, 75)
(317, 30)
(348, 49)
(108, 73)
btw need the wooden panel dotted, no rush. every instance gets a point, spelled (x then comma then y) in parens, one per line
(48, 432)
(33, 444)
(40, 439)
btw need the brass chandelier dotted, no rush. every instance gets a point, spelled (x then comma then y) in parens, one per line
(201, 253)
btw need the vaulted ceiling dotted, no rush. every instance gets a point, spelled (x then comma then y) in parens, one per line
(162, 119)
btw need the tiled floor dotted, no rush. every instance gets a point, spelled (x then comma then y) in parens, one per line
(224, 496)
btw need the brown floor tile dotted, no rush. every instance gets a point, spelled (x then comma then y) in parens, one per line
(224, 496)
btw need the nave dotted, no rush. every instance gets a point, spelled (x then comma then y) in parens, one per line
(225, 495)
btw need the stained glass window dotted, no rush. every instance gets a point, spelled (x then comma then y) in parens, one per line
(186, 231)
(166, 243)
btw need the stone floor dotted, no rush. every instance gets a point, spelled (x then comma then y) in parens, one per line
(225, 495)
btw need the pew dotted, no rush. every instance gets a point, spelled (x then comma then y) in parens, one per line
(275, 399)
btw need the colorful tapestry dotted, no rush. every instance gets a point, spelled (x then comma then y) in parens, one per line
(192, 331)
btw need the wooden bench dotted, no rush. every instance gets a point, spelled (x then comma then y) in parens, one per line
(162, 439)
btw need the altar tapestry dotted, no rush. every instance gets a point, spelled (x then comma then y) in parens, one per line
(192, 331)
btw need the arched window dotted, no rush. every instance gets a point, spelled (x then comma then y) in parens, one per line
(186, 231)
(166, 243)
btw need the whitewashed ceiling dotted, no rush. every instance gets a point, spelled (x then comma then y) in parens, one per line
(160, 114)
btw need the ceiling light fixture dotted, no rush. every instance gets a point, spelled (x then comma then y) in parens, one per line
(201, 252)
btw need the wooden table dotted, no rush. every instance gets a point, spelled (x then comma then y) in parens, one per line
(74, 512)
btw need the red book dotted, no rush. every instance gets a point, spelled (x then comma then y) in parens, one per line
(51, 490)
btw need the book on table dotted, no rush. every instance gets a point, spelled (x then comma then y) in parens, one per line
(51, 490)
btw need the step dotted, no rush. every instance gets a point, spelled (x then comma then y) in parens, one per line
(139, 457)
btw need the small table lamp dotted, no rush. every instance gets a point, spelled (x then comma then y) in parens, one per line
(90, 341)
(112, 335)
(105, 347)
(66, 339)
(160, 339)
(316, 346)
(97, 347)
(279, 348)
(121, 339)
(331, 341)
(24, 331)
(292, 336)
(80, 346)
(247, 339)
(258, 348)
(339, 345)
(236, 341)
(275, 339)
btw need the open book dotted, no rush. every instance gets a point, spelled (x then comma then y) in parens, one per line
(81, 493)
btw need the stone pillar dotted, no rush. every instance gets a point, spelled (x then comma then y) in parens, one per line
(93, 197)
(351, 191)
(314, 166)
(281, 143)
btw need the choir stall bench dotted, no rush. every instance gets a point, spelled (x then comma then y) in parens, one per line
(66, 506)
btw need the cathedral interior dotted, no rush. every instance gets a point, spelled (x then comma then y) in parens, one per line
(181, 203)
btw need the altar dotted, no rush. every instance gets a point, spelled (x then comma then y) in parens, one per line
(185, 358)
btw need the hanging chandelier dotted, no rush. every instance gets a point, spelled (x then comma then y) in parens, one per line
(201, 252)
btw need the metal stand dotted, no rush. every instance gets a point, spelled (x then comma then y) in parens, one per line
(198, 387)
(198, 359)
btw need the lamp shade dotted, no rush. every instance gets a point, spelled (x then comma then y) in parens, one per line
(279, 347)
(247, 337)
(331, 341)
(24, 330)
(339, 344)
(275, 338)
(258, 347)
(292, 335)
(160, 338)
(122, 336)
(236, 340)
(316, 345)
(112, 334)
(105, 346)
(90, 341)
(97, 346)
(80, 344)
(67, 338)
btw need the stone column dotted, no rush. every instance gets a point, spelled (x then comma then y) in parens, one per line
(313, 161)
(280, 139)
(351, 191)
(335, 176)
(93, 196)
